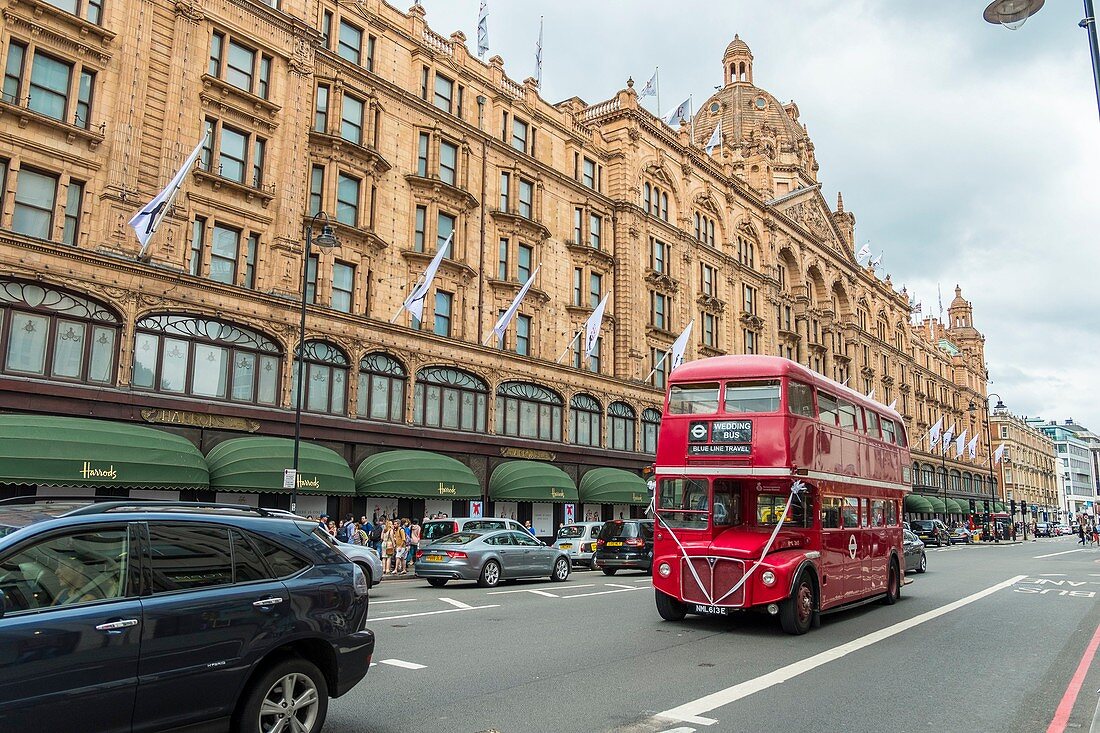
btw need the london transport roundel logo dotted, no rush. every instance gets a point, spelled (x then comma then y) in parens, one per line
(852, 547)
(698, 431)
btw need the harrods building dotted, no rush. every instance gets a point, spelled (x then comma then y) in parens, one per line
(402, 138)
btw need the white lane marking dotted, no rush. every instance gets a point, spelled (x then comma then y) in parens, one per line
(395, 600)
(543, 593)
(1040, 557)
(619, 585)
(681, 729)
(433, 613)
(402, 664)
(522, 590)
(691, 712)
(456, 604)
(1052, 575)
(601, 592)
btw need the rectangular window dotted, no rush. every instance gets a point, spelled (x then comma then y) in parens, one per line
(311, 279)
(252, 247)
(198, 237)
(371, 43)
(84, 99)
(505, 184)
(659, 311)
(442, 323)
(595, 224)
(422, 154)
(73, 200)
(326, 28)
(448, 163)
(224, 249)
(350, 44)
(239, 66)
(519, 135)
(424, 82)
(343, 286)
(659, 256)
(710, 330)
(595, 289)
(445, 226)
(523, 264)
(523, 335)
(750, 300)
(707, 280)
(526, 197)
(35, 198)
(347, 199)
(259, 152)
(443, 93)
(578, 226)
(320, 114)
(578, 286)
(750, 342)
(418, 230)
(233, 154)
(13, 72)
(502, 259)
(351, 119)
(659, 366)
(589, 177)
(316, 189)
(49, 87)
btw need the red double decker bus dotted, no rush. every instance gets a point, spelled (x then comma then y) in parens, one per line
(746, 441)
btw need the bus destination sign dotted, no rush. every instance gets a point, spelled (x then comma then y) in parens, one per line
(720, 438)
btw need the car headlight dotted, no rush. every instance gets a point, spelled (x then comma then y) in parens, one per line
(664, 570)
(768, 577)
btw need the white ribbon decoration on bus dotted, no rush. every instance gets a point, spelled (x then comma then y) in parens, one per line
(797, 487)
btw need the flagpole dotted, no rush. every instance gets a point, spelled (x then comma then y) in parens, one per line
(691, 108)
(657, 366)
(569, 346)
(657, 75)
(416, 285)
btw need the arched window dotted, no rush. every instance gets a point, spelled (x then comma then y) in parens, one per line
(929, 474)
(382, 384)
(326, 386)
(651, 425)
(941, 478)
(967, 484)
(620, 426)
(916, 474)
(202, 357)
(49, 333)
(584, 421)
(956, 480)
(449, 398)
(528, 411)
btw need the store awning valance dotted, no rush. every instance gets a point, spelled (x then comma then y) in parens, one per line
(70, 451)
(954, 506)
(257, 464)
(917, 503)
(613, 486)
(998, 506)
(416, 474)
(937, 504)
(531, 481)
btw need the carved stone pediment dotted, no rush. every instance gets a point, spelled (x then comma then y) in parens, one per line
(752, 321)
(705, 202)
(658, 174)
(661, 281)
(710, 303)
(433, 189)
(583, 254)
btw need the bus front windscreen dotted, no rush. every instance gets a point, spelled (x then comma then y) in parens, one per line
(684, 503)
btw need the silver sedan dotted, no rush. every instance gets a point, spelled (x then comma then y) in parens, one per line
(490, 557)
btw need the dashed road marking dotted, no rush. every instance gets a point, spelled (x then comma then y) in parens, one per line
(523, 590)
(617, 585)
(392, 600)
(1066, 552)
(433, 613)
(603, 592)
(456, 604)
(402, 664)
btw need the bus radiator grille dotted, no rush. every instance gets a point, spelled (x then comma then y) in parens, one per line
(718, 575)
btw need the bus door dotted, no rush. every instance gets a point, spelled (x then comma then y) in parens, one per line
(835, 556)
(880, 545)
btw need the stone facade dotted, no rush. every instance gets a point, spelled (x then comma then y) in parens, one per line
(399, 135)
(1028, 471)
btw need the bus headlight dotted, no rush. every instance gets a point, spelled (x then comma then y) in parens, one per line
(664, 570)
(768, 577)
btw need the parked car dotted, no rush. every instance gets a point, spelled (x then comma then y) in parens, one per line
(366, 558)
(625, 543)
(931, 531)
(433, 529)
(228, 612)
(1043, 529)
(916, 560)
(1064, 529)
(490, 557)
(961, 535)
(579, 540)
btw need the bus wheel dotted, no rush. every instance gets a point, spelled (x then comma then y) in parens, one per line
(797, 612)
(893, 585)
(669, 608)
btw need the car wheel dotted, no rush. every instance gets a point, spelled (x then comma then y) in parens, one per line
(669, 608)
(490, 575)
(292, 695)
(561, 570)
(893, 585)
(796, 614)
(366, 571)
(923, 564)
(610, 571)
(436, 582)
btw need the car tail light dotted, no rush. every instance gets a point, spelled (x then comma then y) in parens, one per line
(599, 543)
(455, 555)
(634, 542)
(419, 554)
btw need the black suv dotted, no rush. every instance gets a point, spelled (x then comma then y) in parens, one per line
(931, 531)
(624, 543)
(152, 616)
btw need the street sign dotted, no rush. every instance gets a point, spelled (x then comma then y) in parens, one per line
(290, 478)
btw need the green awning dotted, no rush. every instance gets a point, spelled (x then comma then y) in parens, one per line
(613, 486)
(531, 481)
(937, 504)
(417, 474)
(917, 503)
(257, 464)
(72, 451)
(954, 506)
(998, 506)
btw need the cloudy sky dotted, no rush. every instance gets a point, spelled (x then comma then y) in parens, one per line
(969, 153)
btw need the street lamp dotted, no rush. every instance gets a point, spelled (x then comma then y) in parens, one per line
(1013, 13)
(999, 408)
(325, 240)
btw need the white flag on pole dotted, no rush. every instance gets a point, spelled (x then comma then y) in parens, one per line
(864, 251)
(948, 436)
(650, 87)
(146, 221)
(972, 448)
(679, 346)
(999, 454)
(892, 404)
(874, 261)
(538, 57)
(960, 444)
(592, 327)
(414, 304)
(506, 318)
(871, 394)
(715, 138)
(934, 434)
(483, 30)
(682, 111)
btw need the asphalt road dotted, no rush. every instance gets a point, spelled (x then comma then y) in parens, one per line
(987, 640)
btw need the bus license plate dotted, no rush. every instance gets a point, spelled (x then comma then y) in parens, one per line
(711, 610)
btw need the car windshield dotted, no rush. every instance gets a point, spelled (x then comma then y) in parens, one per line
(458, 538)
(435, 530)
(921, 525)
(569, 532)
(620, 530)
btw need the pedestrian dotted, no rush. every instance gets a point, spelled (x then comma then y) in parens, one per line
(400, 547)
(387, 548)
(529, 528)
(1081, 533)
(376, 537)
(347, 528)
(1096, 534)
(414, 544)
(331, 528)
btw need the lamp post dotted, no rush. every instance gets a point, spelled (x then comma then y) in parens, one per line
(325, 240)
(1013, 13)
(998, 408)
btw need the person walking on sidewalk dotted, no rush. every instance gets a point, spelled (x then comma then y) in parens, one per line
(1081, 533)
(414, 544)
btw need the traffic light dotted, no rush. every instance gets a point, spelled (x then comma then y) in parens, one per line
(1023, 508)
(1012, 505)
(972, 510)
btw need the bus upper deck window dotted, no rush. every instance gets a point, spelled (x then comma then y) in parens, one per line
(759, 396)
(847, 415)
(872, 424)
(827, 408)
(800, 399)
(888, 433)
(693, 399)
